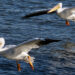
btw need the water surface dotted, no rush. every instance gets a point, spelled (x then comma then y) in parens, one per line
(53, 59)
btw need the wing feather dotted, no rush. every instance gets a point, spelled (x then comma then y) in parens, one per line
(35, 43)
(28, 45)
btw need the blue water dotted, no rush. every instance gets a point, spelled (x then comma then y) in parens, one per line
(52, 59)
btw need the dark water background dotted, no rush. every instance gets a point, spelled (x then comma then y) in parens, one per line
(53, 59)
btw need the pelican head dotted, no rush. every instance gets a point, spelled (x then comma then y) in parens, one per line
(2, 42)
(29, 60)
(58, 6)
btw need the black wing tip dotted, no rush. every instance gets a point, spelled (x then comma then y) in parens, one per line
(25, 17)
(36, 13)
(52, 40)
(47, 41)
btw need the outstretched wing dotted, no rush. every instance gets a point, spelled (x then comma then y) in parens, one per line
(26, 46)
(37, 13)
(35, 43)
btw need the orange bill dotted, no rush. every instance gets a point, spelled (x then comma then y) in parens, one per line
(54, 8)
(30, 63)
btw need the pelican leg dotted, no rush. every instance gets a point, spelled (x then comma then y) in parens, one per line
(67, 23)
(18, 66)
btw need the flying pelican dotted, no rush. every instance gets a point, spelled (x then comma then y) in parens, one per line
(20, 52)
(65, 13)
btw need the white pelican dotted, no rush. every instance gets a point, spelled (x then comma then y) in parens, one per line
(20, 52)
(65, 13)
